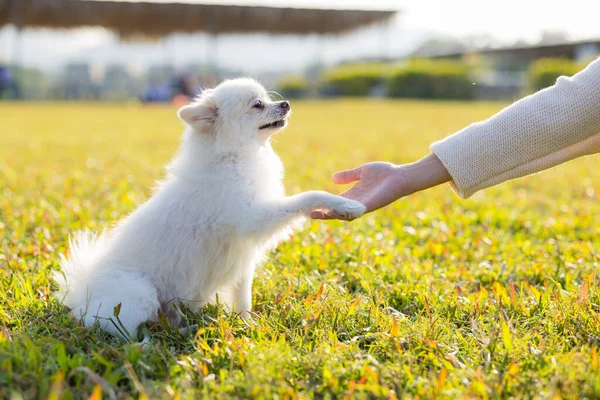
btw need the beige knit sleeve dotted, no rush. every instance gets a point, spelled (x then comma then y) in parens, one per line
(550, 127)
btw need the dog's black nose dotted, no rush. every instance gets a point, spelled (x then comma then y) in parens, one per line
(285, 105)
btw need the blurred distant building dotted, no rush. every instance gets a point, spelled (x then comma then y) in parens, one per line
(161, 18)
(505, 72)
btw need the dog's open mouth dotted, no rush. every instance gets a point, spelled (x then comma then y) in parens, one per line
(274, 125)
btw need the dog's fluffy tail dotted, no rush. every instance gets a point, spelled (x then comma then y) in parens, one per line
(85, 248)
(95, 293)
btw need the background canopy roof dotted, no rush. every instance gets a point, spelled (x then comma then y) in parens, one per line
(153, 18)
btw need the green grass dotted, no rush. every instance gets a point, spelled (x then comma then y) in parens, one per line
(496, 296)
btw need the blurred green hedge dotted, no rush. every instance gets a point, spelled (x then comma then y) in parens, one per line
(544, 72)
(355, 79)
(425, 79)
(293, 87)
(432, 79)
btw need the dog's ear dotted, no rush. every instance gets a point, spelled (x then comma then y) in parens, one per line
(202, 114)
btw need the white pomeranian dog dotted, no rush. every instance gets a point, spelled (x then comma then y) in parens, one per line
(207, 226)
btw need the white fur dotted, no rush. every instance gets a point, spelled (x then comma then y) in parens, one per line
(207, 226)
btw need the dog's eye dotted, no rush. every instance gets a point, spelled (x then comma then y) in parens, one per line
(259, 104)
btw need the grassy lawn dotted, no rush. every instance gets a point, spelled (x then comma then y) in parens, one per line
(435, 296)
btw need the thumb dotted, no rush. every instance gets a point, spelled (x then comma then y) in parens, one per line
(348, 176)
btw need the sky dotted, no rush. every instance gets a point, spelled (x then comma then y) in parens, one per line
(506, 21)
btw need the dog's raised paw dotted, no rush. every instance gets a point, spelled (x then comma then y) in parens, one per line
(349, 209)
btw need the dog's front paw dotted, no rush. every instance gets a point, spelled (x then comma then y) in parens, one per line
(348, 209)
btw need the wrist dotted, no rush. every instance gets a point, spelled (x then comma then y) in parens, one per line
(424, 174)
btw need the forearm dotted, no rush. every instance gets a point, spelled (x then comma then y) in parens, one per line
(540, 131)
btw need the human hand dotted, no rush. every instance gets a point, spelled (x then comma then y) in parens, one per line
(381, 183)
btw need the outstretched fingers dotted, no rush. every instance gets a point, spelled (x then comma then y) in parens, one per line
(347, 176)
(327, 214)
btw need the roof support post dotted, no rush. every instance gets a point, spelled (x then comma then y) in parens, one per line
(212, 45)
(15, 56)
(384, 56)
(384, 40)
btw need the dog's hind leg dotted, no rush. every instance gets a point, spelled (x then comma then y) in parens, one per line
(120, 302)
